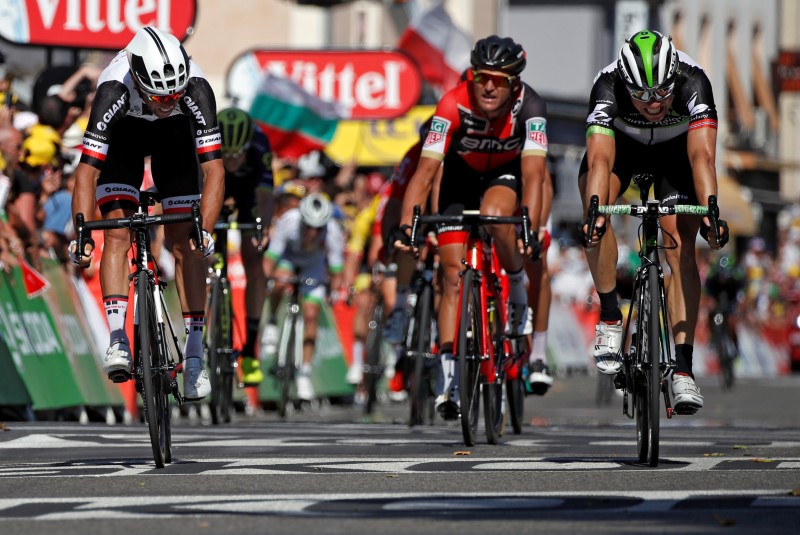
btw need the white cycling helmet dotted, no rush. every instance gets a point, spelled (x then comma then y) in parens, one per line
(158, 62)
(316, 210)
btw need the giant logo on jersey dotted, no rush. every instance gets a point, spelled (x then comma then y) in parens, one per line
(94, 24)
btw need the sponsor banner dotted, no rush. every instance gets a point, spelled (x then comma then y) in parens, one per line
(377, 143)
(106, 25)
(12, 387)
(787, 70)
(328, 366)
(36, 347)
(84, 355)
(365, 84)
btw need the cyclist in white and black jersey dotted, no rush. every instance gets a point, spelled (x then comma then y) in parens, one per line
(307, 241)
(152, 101)
(652, 111)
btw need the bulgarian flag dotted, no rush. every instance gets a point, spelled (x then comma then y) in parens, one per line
(295, 121)
(439, 47)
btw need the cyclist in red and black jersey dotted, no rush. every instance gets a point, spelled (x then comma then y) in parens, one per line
(152, 101)
(651, 112)
(489, 134)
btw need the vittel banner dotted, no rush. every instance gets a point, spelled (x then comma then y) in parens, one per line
(100, 24)
(368, 84)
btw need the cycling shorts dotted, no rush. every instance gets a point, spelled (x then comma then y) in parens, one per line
(176, 172)
(668, 162)
(309, 292)
(463, 188)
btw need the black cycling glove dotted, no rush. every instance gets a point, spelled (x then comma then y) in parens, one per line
(724, 236)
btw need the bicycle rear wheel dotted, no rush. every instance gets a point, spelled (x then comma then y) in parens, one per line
(419, 387)
(469, 355)
(374, 349)
(154, 392)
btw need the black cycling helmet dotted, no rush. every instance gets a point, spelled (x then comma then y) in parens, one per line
(498, 54)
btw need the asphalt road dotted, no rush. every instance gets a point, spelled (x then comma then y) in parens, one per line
(733, 468)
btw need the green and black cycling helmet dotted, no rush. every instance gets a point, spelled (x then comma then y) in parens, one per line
(498, 54)
(236, 128)
(648, 61)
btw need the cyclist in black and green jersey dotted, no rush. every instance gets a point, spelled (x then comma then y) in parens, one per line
(651, 112)
(247, 157)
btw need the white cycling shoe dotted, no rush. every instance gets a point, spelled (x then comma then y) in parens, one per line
(686, 395)
(117, 362)
(607, 347)
(196, 384)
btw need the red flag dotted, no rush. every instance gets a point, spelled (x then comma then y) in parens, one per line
(35, 283)
(438, 46)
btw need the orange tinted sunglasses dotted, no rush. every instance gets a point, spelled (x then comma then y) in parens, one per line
(161, 99)
(499, 80)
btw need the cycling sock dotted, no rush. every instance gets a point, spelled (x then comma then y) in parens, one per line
(683, 359)
(609, 307)
(116, 307)
(448, 372)
(249, 349)
(539, 349)
(358, 353)
(516, 287)
(193, 322)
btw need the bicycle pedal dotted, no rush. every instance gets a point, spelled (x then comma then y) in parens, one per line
(619, 381)
(119, 376)
(685, 410)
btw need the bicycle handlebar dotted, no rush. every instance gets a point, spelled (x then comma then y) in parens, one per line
(235, 225)
(655, 208)
(473, 217)
(136, 221)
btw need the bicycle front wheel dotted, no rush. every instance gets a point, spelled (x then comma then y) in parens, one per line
(227, 371)
(647, 391)
(469, 356)
(213, 346)
(419, 387)
(515, 388)
(374, 349)
(286, 361)
(154, 392)
(494, 406)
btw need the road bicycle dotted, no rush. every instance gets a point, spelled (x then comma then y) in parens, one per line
(725, 346)
(481, 342)
(221, 357)
(289, 357)
(374, 364)
(648, 362)
(157, 355)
